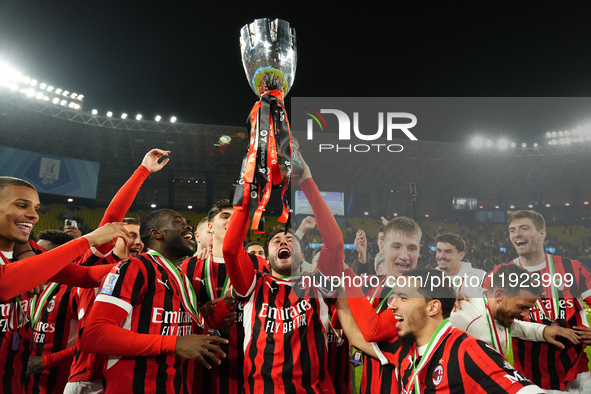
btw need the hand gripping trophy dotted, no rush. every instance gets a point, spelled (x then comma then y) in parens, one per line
(269, 57)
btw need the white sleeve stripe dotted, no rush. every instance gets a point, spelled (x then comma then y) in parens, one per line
(381, 356)
(586, 294)
(99, 254)
(531, 389)
(115, 301)
(250, 289)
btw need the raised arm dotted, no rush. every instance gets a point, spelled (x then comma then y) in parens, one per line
(239, 265)
(21, 276)
(125, 196)
(331, 255)
(351, 328)
(374, 326)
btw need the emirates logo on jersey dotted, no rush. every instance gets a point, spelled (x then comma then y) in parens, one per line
(438, 375)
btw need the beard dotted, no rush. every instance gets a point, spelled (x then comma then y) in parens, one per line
(502, 316)
(175, 245)
(408, 339)
(293, 267)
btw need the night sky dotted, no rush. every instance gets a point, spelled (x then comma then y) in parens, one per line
(183, 58)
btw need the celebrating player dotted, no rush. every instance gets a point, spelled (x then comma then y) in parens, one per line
(285, 348)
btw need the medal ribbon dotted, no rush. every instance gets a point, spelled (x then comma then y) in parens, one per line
(17, 314)
(188, 297)
(377, 290)
(554, 300)
(37, 307)
(385, 299)
(457, 289)
(260, 167)
(494, 335)
(440, 334)
(210, 288)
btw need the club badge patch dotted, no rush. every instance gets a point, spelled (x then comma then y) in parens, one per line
(438, 375)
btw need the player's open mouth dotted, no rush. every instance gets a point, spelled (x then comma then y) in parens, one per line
(399, 322)
(402, 265)
(520, 242)
(25, 227)
(284, 253)
(188, 237)
(135, 252)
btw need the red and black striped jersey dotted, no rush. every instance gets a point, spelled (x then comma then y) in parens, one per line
(88, 366)
(460, 364)
(339, 357)
(285, 347)
(15, 341)
(54, 331)
(547, 365)
(228, 376)
(143, 288)
(377, 378)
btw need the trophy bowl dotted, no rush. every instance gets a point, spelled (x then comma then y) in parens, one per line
(269, 55)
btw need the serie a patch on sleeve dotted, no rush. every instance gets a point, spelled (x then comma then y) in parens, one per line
(109, 284)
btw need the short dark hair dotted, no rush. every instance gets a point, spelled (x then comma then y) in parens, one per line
(253, 243)
(217, 208)
(536, 218)
(133, 221)
(276, 231)
(203, 221)
(452, 239)
(56, 237)
(152, 221)
(444, 292)
(502, 279)
(11, 181)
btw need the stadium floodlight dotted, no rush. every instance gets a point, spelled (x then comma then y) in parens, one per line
(45, 98)
(567, 204)
(512, 207)
(566, 133)
(190, 207)
(395, 214)
(547, 205)
(567, 141)
(55, 100)
(554, 134)
(138, 117)
(173, 119)
(71, 105)
(548, 135)
(76, 106)
(513, 145)
(80, 96)
(58, 91)
(109, 114)
(524, 145)
(94, 112)
(124, 116)
(42, 86)
(65, 93)
(502, 144)
(536, 145)
(153, 205)
(496, 207)
(63, 102)
(488, 143)
(50, 88)
(13, 87)
(30, 92)
(426, 215)
(586, 203)
(157, 118)
(477, 142)
(70, 200)
(73, 95)
(530, 206)
(26, 80)
(39, 96)
(561, 133)
(561, 141)
(366, 213)
(33, 82)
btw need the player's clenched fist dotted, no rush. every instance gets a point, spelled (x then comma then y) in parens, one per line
(200, 348)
